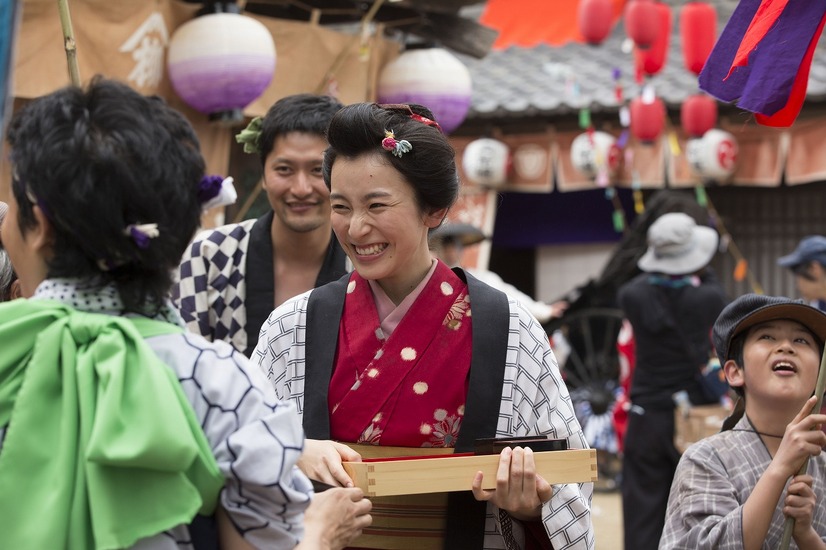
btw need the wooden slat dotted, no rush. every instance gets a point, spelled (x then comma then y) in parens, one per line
(437, 475)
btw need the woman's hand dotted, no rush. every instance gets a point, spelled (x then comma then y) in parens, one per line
(520, 491)
(321, 461)
(335, 519)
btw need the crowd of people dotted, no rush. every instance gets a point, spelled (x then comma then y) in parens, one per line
(162, 387)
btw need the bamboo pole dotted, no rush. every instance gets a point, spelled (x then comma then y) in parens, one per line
(69, 41)
(820, 387)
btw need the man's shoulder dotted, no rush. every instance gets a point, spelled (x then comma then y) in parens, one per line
(639, 284)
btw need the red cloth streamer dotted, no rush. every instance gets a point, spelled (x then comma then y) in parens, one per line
(766, 16)
(786, 116)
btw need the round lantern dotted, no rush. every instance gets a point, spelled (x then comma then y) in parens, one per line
(698, 114)
(713, 156)
(642, 22)
(698, 33)
(595, 152)
(486, 161)
(651, 60)
(431, 77)
(595, 18)
(647, 119)
(220, 63)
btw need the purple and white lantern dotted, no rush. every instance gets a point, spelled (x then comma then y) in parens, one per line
(220, 63)
(431, 77)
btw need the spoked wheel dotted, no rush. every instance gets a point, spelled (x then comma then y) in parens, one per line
(591, 372)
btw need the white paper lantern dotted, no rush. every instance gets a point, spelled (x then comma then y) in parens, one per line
(713, 157)
(593, 153)
(221, 62)
(432, 77)
(485, 161)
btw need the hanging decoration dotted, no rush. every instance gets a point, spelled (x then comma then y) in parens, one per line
(642, 22)
(698, 32)
(487, 162)
(698, 115)
(650, 60)
(763, 57)
(714, 156)
(596, 153)
(595, 19)
(221, 62)
(432, 77)
(647, 118)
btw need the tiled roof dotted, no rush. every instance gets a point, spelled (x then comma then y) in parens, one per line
(522, 83)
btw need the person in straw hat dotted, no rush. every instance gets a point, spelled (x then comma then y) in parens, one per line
(732, 489)
(671, 306)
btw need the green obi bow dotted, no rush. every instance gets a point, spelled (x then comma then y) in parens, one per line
(102, 447)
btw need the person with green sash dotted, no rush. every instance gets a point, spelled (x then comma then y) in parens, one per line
(118, 429)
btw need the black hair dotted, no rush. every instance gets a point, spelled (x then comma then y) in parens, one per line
(96, 161)
(306, 113)
(429, 167)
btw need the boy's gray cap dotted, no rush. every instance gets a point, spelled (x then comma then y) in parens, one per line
(4, 208)
(811, 248)
(678, 246)
(752, 309)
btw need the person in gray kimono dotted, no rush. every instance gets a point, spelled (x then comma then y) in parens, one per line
(735, 489)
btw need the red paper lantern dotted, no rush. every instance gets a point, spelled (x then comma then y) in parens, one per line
(647, 119)
(651, 60)
(595, 18)
(698, 32)
(642, 22)
(698, 115)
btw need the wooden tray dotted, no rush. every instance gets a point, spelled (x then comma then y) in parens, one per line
(455, 473)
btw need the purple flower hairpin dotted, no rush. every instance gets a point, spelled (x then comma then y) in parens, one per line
(397, 147)
(216, 191)
(142, 233)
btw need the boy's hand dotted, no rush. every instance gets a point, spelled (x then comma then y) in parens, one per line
(800, 504)
(803, 438)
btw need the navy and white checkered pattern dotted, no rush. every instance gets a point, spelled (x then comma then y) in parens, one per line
(212, 284)
(534, 401)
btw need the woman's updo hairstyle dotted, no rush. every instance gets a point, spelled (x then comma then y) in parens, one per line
(429, 166)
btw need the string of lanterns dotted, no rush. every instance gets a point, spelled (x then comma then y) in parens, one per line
(648, 24)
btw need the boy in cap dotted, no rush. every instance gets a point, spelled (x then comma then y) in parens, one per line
(732, 489)
(808, 263)
(671, 308)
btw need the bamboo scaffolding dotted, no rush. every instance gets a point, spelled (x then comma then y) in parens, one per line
(69, 43)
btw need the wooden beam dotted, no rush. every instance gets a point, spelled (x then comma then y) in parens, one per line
(457, 33)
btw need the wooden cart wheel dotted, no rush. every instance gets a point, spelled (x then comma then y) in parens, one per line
(591, 372)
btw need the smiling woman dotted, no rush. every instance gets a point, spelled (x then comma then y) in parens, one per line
(408, 364)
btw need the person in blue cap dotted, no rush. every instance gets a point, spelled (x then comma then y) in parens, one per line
(808, 263)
